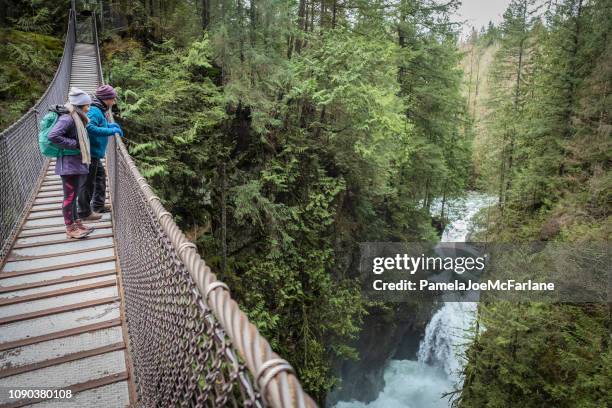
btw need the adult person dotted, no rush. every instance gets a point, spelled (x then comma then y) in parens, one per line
(69, 133)
(93, 196)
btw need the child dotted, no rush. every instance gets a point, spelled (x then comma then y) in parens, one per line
(69, 133)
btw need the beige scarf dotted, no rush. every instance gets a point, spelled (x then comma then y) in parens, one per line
(80, 120)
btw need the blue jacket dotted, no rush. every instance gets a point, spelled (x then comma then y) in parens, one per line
(98, 129)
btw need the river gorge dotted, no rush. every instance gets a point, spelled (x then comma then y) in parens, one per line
(424, 362)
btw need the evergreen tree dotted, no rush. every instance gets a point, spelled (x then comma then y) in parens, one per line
(533, 354)
(304, 129)
(510, 74)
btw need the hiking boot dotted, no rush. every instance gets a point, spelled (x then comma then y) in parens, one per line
(83, 227)
(105, 209)
(73, 231)
(94, 216)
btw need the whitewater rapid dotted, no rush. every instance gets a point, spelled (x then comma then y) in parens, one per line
(421, 383)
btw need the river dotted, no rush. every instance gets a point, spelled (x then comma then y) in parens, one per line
(421, 383)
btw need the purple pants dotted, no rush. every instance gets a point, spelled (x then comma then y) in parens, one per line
(72, 185)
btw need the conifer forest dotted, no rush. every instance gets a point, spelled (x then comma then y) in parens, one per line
(281, 134)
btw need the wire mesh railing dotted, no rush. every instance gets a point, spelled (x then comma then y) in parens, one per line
(21, 163)
(189, 342)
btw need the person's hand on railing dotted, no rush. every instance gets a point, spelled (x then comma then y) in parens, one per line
(116, 128)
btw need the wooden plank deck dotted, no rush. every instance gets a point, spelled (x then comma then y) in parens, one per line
(61, 322)
(84, 67)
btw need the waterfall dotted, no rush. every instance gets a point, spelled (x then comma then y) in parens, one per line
(421, 383)
(444, 336)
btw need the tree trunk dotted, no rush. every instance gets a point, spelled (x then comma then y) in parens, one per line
(253, 22)
(572, 73)
(502, 174)
(223, 219)
(443, 201)
(426, 196)
(321, 119)
(306, 17)
(301, 13)
(476, 87)
(334, 6)
(252, 37)
(205, 14)
(517, 97)
(322, 14)
(469, 98)
(312, 14)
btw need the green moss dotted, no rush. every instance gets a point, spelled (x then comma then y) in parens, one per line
(28, 62)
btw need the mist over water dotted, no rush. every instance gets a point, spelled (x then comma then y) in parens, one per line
(422, 383)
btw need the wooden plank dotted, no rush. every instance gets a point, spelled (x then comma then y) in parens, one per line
(56, 310)
(35, 210)
(49, 195)
(13, 258)
(44, 217)
(61, 241)
(55, 232)
(57, 292)
(9, 345)
(48, 202)
(32, 227)
(76, 388)
(51, 282)
(5, 275)
(61, 360)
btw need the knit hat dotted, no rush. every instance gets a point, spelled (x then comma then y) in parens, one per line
(106, 92)
(78, 97)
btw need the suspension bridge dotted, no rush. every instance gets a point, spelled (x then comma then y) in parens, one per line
(131, 316)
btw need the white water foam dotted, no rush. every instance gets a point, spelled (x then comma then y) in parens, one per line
(422, 383)
(408, 384)
(445, 336)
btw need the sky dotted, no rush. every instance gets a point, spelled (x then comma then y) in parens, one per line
(478, 13)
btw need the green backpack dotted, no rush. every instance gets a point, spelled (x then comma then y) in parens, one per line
(46, 147)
